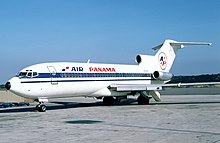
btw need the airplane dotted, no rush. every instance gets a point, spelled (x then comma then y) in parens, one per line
(110, 82)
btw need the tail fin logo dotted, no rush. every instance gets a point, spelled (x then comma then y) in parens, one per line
(162, 60)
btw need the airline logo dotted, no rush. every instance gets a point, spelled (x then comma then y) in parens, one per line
(91, 69)
(163, 60)
(74, 69)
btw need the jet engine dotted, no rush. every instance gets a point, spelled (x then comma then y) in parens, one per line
(164, 76)
(140, 58)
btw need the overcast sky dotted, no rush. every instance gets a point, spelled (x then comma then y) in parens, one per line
(107, 31)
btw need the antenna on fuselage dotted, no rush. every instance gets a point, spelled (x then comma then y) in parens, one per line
(88, 61)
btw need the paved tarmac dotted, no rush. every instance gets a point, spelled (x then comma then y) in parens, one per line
(178, 118)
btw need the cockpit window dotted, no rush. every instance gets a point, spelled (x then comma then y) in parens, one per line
(22, 74)
(28, 74)
(34, 74)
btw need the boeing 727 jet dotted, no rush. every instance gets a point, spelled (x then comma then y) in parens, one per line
(109, 82)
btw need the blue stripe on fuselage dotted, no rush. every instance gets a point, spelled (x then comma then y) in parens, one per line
(88, 80)
(87, 75)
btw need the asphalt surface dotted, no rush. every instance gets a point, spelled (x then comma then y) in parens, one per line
(180, 118)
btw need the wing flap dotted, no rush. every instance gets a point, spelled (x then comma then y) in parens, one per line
(134, 87)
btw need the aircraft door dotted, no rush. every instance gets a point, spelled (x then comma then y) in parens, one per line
(53, 74)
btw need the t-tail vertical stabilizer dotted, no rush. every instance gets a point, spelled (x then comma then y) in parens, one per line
(164, 58)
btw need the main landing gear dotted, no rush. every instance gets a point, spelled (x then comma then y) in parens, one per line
(108, 100)
(142, 99)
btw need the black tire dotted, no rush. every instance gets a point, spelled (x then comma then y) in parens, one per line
(143, 100)
(41, 108)
(108, 100)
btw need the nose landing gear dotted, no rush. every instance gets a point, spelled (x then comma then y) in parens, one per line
(41, 107)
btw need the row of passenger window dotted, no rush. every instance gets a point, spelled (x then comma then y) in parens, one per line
(79, 75)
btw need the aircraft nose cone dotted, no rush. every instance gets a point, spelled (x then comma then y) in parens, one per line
(8, 85)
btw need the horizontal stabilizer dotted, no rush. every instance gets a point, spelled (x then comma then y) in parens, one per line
(181, 44)
(189, 43)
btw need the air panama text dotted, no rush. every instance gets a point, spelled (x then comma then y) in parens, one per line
(101, 69)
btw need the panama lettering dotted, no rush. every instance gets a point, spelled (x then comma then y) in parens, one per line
(101, 69)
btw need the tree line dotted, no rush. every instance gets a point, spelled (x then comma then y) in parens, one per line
(196, 78)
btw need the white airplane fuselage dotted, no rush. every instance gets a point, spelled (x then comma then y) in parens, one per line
(66, 79)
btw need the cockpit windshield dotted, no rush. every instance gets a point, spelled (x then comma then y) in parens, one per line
(22, 74)
(28, 74)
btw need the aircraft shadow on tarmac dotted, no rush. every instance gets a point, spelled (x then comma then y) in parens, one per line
(62, 105)
(68, 105)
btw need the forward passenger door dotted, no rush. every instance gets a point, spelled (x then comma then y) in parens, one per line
(53, 73)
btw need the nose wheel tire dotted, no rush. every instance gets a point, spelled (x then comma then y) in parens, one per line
(41, 108)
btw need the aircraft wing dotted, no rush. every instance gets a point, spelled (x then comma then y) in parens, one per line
(150, 87)
(135, 87)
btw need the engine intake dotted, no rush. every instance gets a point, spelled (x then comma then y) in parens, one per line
(143, 59)
(138, 59)
(162, 75)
